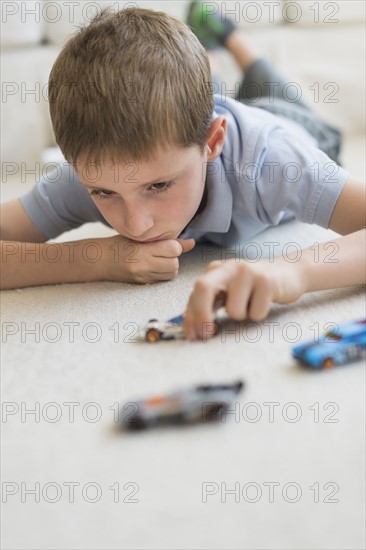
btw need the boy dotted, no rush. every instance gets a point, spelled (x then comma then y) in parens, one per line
(153, 154)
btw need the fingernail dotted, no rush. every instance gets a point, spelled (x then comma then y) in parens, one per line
(191, 333)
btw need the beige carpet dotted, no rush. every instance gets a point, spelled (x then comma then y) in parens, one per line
(173, 483)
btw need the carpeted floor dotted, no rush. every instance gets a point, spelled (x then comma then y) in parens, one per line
(285, 471)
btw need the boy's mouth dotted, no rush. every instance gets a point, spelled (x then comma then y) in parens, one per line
(151, 240)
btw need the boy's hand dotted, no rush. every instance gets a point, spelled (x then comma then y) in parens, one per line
(129, 261)
(249, 289)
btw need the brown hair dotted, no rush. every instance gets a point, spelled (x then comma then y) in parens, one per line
(127, 84)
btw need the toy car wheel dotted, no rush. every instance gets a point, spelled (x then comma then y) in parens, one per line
(212, 412)
(137, 423)
(216, 408)
(153, 335)
(328, 363)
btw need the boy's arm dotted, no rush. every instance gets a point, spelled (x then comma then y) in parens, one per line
(27, 260)
(251, 288)
(26, 264)
(16, 225)
(336, 264)
(349, 213)
(104, 259)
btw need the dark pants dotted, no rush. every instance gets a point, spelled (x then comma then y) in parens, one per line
(279, 98)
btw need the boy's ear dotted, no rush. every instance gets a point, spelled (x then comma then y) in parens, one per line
(216, 138)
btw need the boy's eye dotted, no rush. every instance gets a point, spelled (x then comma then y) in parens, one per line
(99, 194)
(161, 186)
(155, 187)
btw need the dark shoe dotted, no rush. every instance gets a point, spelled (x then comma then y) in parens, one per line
(211, 29)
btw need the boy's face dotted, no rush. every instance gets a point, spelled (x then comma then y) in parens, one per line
(152, 200)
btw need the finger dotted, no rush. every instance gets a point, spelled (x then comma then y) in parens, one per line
(169, 248)
(154, 264)
(200, 306)
(152, 278)
(220, 299)
(261, 299)
(186, 244)
(199, 314)
(239, 292)
(164, 265)
(164, 276)
(214, 265)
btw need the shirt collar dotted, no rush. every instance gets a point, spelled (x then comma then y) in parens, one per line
(216, 215)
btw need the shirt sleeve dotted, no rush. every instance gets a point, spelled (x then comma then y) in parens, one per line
(59, 202)
(294, 177)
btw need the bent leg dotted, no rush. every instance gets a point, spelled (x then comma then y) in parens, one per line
(263, 80)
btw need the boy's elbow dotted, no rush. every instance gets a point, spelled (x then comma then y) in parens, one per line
(349, 214)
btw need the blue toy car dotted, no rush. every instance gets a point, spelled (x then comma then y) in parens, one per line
(344, 345)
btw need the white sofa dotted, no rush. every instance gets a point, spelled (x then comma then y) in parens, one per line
(318, 45)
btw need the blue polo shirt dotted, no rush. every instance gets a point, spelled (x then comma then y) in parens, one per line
(270, 170)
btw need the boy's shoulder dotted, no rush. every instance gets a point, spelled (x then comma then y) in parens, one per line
(249, 127)
(247, 117)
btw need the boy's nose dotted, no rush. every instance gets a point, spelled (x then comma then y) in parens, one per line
(138, 223)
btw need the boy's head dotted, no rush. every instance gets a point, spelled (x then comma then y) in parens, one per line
(130, 94)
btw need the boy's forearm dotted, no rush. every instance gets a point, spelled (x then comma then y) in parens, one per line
(33, 264)
(335, 264)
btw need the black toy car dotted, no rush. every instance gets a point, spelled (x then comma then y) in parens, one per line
(200, 404)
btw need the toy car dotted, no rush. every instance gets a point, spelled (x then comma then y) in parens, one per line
(170, 330)
(164, 330)
(346, 344)
(199, 404)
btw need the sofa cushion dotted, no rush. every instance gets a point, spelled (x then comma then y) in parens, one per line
(307, 13)
(22, 23)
